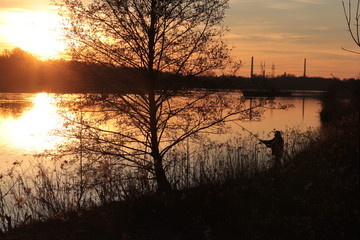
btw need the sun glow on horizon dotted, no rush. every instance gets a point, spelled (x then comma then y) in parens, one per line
(36, 32)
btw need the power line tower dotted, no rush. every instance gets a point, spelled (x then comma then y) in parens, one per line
(273, 70)
(263, 68)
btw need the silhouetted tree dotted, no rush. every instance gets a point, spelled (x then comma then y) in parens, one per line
(353, 25)
(160, 43)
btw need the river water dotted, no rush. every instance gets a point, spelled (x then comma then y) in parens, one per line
(27, 122)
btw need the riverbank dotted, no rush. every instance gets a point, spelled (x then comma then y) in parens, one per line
(312, 196)
(315, 196)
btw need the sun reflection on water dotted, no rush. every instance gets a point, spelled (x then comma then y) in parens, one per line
(32, 130)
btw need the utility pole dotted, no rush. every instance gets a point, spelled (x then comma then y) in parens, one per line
(252, 68)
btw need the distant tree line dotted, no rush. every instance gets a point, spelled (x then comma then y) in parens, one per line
(22, 72)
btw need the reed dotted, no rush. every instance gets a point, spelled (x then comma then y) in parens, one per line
(52, 186)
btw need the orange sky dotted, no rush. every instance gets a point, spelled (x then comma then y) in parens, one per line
(284, 32)
(276, 32)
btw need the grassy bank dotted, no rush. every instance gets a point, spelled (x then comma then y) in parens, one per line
(314, 195)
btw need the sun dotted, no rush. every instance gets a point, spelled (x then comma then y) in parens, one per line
(36, 32)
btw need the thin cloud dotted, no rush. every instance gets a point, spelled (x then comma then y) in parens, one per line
(317, 2)
(293, 4)
(284, 5)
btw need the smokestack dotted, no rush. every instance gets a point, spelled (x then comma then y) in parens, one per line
(252, 67)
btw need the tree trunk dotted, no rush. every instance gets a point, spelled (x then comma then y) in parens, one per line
(160, 176)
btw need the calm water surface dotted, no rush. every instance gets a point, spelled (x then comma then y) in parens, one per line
(27, 120)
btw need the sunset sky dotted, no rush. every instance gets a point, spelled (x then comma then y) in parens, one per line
(276, 32)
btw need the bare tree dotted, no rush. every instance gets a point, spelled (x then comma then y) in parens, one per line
(353, 24)
(159, 43)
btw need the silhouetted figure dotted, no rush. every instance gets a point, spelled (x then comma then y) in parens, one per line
(277, 147)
